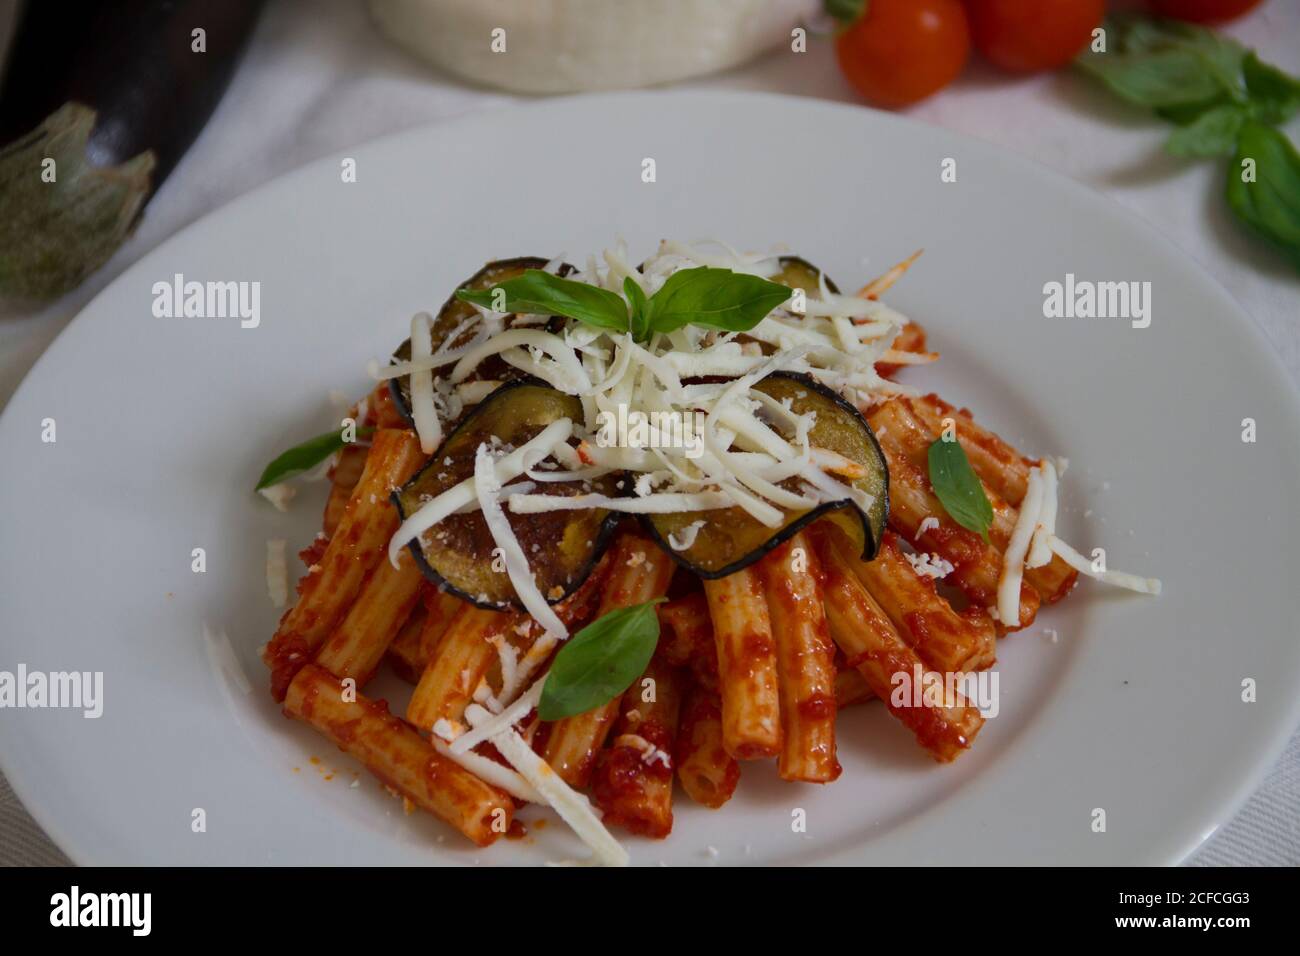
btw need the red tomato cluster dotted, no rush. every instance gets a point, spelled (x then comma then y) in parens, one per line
(901, 51)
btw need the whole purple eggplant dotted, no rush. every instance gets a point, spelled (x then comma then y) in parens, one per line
(98, 103)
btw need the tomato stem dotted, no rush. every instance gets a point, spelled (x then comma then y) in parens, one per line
(846, 11)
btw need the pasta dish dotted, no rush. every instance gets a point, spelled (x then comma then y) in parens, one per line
(627, 527)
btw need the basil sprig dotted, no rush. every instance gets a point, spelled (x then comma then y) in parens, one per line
(958, 488)
(304, 457)
(1224, 100)
(600, 661)
(714, 298)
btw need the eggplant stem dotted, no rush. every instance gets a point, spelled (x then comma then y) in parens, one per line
(60, 223)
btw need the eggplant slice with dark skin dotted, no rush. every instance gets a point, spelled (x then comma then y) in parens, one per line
(731, 539)
(454, 312)
(562, 547)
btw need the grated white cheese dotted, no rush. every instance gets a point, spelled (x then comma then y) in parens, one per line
(508, 659)
(224, 661)
(279, 495)
(928, 523)
(425, 416)
(535, 657)
(740, 460)
(488, 488)
(929, 565)
(573, 808)
(1013, 560)
(1118, 578)
(277, 572)
(650, 754)
(664, 503)
(689, 534)
(446, 729)
(495, 723)
(489, 771)
(1040, 549)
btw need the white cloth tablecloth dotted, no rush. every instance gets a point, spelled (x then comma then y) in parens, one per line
(317, 78)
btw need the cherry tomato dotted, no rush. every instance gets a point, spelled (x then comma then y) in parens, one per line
(901, 51)
(1202, 11)
(1025, 36)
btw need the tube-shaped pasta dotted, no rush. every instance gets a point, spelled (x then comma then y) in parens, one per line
(343, 481)
(977, 564)
(381, 413)
(357, 545)
(1053, 580)
(633, 778)
(707, 772)
(805, 662)
(851, 688)
(383, 410)
(1006, 471)
(411, 649)
(872, 645)
(402, 759)
(686, 637)
(943, 638)
(387, 597)
(998, 465)
(460, 659)
(747, 665)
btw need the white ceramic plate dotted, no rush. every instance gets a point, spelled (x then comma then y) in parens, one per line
(163, 425)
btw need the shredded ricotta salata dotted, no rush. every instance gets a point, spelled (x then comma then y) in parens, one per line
(739, 458)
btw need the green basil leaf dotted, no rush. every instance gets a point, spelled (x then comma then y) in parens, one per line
(1165, 63)
(640, 321)
(1270, 206)
(717, 298)
(1274, 93)
(540, 293)
(958, 488)
(1136, 34)
(1162, 78)
(1214, 133)
(304, 457)
(1185, 114)
(600, 662)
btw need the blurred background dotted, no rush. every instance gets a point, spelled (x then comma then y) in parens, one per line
(1155, 123)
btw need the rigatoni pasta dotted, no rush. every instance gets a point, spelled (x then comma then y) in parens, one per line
(398, 755)
(327, 592)
(747, 665)
(805, 661)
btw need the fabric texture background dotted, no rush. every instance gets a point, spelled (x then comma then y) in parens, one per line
(318, 78)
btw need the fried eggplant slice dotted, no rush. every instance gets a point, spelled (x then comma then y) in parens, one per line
(454, 313)
(731, 539)
(799, 273)
(561, 546)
